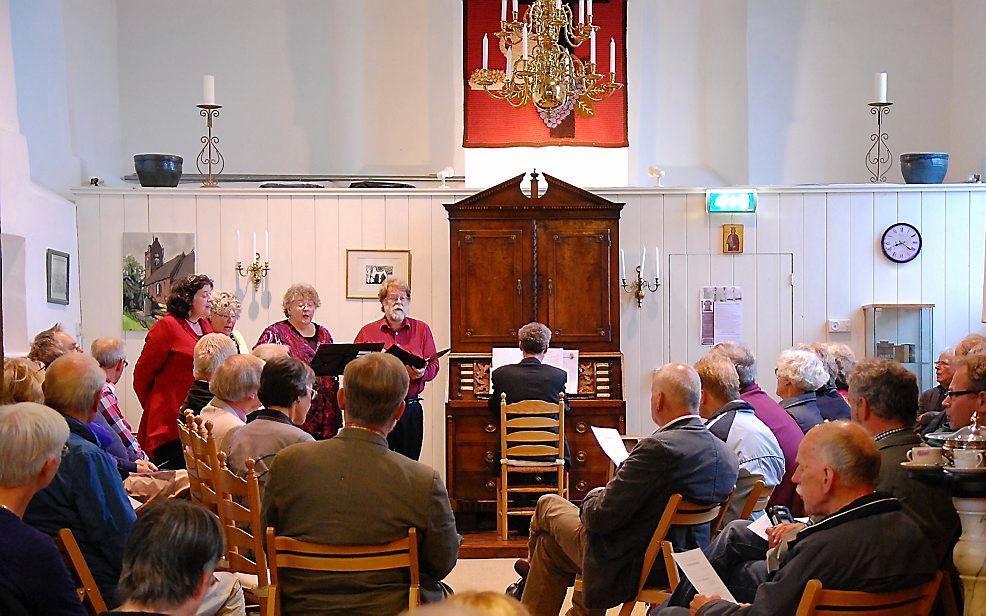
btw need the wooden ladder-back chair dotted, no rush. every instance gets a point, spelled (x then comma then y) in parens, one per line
(185, 437)
(757, 500)
(532, 441)
(239, 512)
(206, 458)
(287, 553)
(917, 601)
(85, 584)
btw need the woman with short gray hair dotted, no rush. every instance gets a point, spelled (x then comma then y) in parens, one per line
(226, 309)
(234, 386)
(799, 374)
(33, 577)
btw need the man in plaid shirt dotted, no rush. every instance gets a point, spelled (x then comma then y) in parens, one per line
(111, 355)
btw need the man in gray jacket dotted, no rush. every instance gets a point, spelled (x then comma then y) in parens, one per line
(352, 490)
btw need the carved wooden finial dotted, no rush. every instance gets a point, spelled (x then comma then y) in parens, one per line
(534, 184)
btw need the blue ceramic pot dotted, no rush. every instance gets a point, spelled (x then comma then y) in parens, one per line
(158, 169)
(924, 167)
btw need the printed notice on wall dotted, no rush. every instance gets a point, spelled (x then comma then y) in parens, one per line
(721, 310)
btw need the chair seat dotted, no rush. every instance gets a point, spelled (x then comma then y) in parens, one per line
(550, 466)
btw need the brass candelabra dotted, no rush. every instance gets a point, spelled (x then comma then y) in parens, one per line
(255, 272)
(638, 288)
(209, 155)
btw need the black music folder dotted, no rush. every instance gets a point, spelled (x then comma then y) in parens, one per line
(331, 359)
(410, 359)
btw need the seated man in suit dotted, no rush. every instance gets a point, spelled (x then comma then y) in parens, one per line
(863, 540)
(606, 539)
(352, 490)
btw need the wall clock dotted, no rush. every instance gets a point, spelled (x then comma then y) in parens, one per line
(901, 242)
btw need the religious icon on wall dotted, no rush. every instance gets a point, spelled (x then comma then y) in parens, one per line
(367, 269)
(581, 120)
(732, 239)
(152, 262)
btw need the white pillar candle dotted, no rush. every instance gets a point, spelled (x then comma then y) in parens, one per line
(612, 55)
(523, 45)
(266, 245)
(253, 254)
(880, 87)
(623, 265)
(208, 90)
(643, 259)
(238, 253)
(503, 10)
(592, 44)
(510, 62)
(515, 7)
(590, 10)
(581, 11)
(657, 261)
(486, 52)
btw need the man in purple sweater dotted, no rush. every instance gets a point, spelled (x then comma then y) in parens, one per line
(784, 427)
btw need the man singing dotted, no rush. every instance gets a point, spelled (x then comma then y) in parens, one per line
(396, 328)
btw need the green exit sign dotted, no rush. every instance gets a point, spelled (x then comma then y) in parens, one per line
(731, 201)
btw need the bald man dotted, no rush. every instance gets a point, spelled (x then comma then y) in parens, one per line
(606, 539)
(862, 539)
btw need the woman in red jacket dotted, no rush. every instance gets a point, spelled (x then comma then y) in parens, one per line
(163, 374)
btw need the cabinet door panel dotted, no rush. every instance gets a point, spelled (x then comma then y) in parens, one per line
(575, 274)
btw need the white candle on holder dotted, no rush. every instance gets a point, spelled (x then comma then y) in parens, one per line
(238, 253)
(558, 4)
(880, 87)
(643, 259)
(486, 52)
(623, 265)
(590, 10)
(515, 7)
(592, 44)
(612, 55)
(254, 253)
(266, 245)
(503, 10)
(657, 261)
(523, 44)
(510, 62)
(208, 90)
(581, 12)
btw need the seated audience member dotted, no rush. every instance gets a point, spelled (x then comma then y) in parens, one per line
(882, 395)
(223, 317)
(51, 344)
(169, 561)
(966, 395)
(371, 495)
(846, 361)
(112, 358)
(86, 495)
(488, 603)
(973, 343)
(605, 539)
(799, 374)
(863, 540)
(270, 350)
(931, 410)
(733, 421)
(286, 386)
(209, 353)
(786, 430)
(22, 381)
(235, 386)
(33, 576)
(831, 404)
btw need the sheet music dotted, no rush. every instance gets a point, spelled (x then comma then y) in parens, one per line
(612, 444)
(564, 359)
(700, 573)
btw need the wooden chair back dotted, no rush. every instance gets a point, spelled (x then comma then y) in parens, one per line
(532, 429)
(239, 513)
(85, 584)
(185, 436)
(205, 452)
(757, 500)
(288, 553)
(678, 512)
(917, 601)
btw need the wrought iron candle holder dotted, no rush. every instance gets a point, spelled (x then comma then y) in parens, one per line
(255, 272)
(209, 155)
(878, 157)
(638, 288)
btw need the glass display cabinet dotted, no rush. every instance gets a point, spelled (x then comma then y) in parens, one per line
(902, 333)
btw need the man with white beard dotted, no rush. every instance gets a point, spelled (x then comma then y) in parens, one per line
(413, 336)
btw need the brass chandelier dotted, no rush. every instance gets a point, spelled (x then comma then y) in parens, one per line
(545, 70)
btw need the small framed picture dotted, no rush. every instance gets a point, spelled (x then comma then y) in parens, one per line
(732, 239)
(367, 269)
(57, 268)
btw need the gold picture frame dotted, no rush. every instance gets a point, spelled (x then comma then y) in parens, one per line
(732, 239)
(366, 269)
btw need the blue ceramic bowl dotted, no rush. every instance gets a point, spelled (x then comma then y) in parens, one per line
(924, 167)
(158, 169)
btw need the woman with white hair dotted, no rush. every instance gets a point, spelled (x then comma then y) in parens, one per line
(33, 577)
(226, 310)
(799, 374)
(234, 386)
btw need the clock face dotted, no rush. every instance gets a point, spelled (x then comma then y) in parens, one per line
(901, 242)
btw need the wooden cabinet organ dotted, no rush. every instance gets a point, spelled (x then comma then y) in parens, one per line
(516, 259)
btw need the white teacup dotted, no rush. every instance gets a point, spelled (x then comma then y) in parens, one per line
(927, 456)
(967, 458)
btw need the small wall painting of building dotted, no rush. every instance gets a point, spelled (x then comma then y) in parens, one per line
(152, 262)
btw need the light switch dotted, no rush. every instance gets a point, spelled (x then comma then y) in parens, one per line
(841, 326)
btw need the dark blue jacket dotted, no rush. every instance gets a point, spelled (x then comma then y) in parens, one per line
(831, 405)
(804, 409)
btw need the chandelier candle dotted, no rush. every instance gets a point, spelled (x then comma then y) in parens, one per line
(486, 53)
(612, 56)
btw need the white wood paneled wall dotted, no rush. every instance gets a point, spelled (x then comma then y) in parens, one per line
(832, 236)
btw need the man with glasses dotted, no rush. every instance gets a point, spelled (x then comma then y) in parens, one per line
(414, 336)
(931, 412)
(112, 358)
(51, 344)
(967, 393)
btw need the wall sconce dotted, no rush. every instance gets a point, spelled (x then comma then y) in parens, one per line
(638, 288)
(255, 272)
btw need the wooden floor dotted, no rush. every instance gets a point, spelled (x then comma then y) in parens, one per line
(487, 544)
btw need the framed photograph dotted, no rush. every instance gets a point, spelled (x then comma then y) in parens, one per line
(366, 269)
(732, 239)
(57, 268)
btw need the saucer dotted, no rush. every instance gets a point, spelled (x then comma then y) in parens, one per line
(918, 465)
(978, 470)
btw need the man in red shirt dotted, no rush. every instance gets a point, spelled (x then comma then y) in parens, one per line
(414, 336)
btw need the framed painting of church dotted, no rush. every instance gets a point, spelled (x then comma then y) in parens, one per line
(152, 262)
(367, 269)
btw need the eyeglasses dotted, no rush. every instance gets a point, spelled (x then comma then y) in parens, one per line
(312, 391)
(305, 305)
(945, 363)
(397, 298)
(964, 392)
(64, 450)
